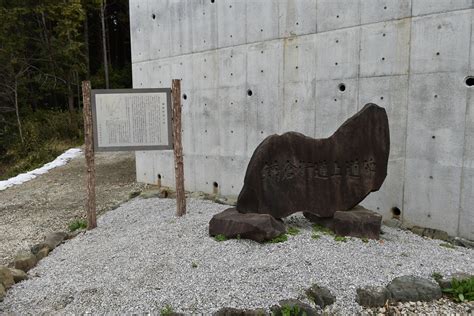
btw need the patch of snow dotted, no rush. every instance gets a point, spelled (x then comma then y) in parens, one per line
(27, 176)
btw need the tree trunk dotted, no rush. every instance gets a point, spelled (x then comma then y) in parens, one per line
(18, 111)
(86, 42)
(70, 103)
(104, 43)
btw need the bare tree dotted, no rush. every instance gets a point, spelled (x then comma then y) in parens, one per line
(104, 43)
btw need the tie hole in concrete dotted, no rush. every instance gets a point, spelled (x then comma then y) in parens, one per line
(215, 187)
(342, 87)
(396, 212)
(469, 81)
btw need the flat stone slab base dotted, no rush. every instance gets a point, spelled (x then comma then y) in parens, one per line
(258, 227)
(358, 222)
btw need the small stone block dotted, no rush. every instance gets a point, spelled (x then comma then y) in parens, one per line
(258, 227)
(25, 261)
(372, 296)
(358, 222)
(6, 277)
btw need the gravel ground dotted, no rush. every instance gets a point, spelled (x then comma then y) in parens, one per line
(51, 201)
(142, 258)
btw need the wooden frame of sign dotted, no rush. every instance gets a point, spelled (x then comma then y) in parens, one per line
(128, 120)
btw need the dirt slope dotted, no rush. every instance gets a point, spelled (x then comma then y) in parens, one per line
(49, 202)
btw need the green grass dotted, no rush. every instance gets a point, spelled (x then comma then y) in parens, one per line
(167, 310)
(220, 237)
(461, 290)
(291, 310)
(293, 231)
(78, 223)
(447, 245)
(321, 229)
(315, 236)
(278, 239)
(437, 276)
(365, 239)
(340, 238)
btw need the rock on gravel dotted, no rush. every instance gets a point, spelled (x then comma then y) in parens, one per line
(6, 277)
(411, 289)
(140, 259)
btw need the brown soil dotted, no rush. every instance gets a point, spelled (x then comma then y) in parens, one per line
(51, 201)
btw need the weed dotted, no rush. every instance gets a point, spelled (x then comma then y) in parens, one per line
(437, 276)
(194, 265)
(291, 310)
(277, 239)
(78, 223)
(340, 238)
(167, 310)
(238, 237)
(293, 231)
(315, 236)
(447, 245)
(461, 290)
(220, 237)
(365, 239)
(321, 229)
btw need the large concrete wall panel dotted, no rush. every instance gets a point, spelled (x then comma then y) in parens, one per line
(435, 141)
(139, 32)
(385, 49)
(334, 106)
(297, 17)
(466, 215)
(181, 22)
(423, 7)
(440, 43)
(372, 11)
(251, 69)
(160, 39)
(337, 54)
(332, 15)
(231, 34)
(204, 21)
(262, 21)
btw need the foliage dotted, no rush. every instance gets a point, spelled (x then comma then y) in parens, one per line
(322, 229)
(292, 310)
(461, 290)
(365, 240)
(78, 223)
(167, 310)
(47, 48)
(315, 236)
(447, 245)
(47, 134)
(194, 264)
(293, 231)
(278, 239)
(340, 238)
(437, 276)
(220, 237)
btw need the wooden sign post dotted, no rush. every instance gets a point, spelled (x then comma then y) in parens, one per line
(132, 119)
(90, 163)
(178, 148)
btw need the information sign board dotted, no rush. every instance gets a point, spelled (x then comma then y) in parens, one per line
(132, 119)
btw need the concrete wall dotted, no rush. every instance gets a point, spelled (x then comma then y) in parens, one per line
(410, 56)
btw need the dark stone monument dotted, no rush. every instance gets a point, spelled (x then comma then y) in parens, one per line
(323, 178)
(295, 173)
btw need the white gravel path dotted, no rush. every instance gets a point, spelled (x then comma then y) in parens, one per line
(141, 257)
